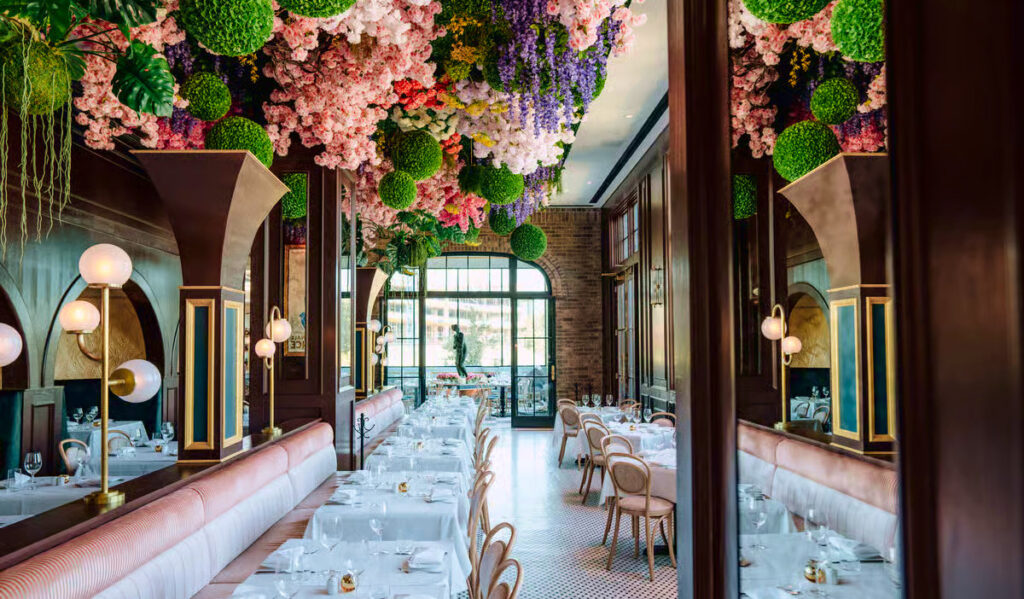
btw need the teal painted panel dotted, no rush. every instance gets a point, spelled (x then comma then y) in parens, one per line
(230, 371)
(201, 375)
(357, 379)
(846, 345)
(879, 359)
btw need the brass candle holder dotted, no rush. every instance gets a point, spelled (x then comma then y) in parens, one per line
(278, 330)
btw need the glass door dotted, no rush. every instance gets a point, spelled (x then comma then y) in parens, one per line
(534, 388)
(624, 293)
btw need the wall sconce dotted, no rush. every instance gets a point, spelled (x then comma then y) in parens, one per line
(107, 267)
(278, 330)
(10, 346)
(774, 328)
(380, 351)
(657, 286)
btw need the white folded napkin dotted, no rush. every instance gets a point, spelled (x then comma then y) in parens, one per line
(20, 479)
(441, 494)
(766, 593)
(851, 550)
(446, 477)
(452, 442)
(447, 451)
(426, 557)
(359, 476)
(345, 496)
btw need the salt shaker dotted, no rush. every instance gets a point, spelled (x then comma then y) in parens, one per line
(333, 583)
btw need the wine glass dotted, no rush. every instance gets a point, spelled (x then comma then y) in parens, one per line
(329, 531)
(609, 400)
(136, 437)
(758, 513)
(647, 414)
(166, 432)
(77, 415)
(816, 526)
(33, 464)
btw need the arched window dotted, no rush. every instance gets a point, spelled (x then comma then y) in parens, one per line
(504, 309)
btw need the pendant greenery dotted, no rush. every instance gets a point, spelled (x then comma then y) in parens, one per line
(143, 80)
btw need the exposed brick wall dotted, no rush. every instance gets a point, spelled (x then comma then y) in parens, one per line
(573, 263)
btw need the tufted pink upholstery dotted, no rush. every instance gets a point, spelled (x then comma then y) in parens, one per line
(175, 545)
(858, 497)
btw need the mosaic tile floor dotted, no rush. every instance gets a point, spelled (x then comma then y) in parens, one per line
(559, 540)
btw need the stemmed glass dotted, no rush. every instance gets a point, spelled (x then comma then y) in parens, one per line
(33, 464)
(77, 415)
(166, 432)
(288, 582)
(609, 400)
(816, 526)
(91, 415)
(136, 437)
(330, 531)
(758, 513)
(647, 414)
(377, 525)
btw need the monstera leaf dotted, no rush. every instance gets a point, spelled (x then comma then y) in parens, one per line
(143, 81)
(127, 13)
(50, 16)
(74, 59)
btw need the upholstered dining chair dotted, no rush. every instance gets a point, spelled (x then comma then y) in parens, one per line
(504, 590)
(477, 501)
(593, 432)
(73, 452)
(570, 427)
(493, 552)
(666, 419)
(631, 477)
(609, 445)
(116, 439)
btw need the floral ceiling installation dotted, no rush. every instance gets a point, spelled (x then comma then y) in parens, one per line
(496, 88)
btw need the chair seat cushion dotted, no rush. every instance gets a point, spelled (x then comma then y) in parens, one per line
(635, 504)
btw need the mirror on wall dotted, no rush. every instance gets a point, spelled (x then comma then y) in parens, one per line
(294, 271)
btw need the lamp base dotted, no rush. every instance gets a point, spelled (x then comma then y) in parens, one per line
(272, 431)
(110, 498)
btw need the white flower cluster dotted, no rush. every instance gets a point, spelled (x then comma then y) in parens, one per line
(440, 123)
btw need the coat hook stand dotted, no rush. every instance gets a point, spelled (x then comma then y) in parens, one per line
(362, 431)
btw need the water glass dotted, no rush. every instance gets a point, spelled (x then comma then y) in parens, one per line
(78, 414)
(647, 414)
(166, 432)
(33, 464)
(758, 513)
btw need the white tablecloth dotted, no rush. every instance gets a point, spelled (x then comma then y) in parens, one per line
(409, 517)
(608, 415)
(91, 434)
(381, 571)
(422, 455)
(463, 409)
(143, 461)
(46, 496)
(437, 428)
(782, 563)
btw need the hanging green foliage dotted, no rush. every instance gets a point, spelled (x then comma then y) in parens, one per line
(500, 222)
(240, 133)
(417, 153)
(784, 11)
(293, 204)
(143, 80)
(744, 196)
(835, 101)
(35, 78)
(397, 190)
(528, 242)
(208, 97)
(500, 185)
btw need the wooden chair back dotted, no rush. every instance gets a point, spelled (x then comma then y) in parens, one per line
(73, 452)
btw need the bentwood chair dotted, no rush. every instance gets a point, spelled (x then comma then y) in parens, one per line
(117, 439)
(493, 552)
(480, 416)
(73, 453)
(631, 477)
(570, 427)
(484, 454)
(821, 414)
(477, 501)
(590, 417)
(565, 402)
(627, 404)
(609, 445)
(504, 590)
(481, 442)
(666, 419)
(593, 432)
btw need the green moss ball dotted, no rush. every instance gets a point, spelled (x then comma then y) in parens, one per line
(417, 153)
(208, 97)
(469, 179)
(501, 223)
(397, 190)
(49, 84)
(500, 185)
(784, 11)
(802, 147)
(293, 204)
(858, 29)
(834, 101)
(528, 242)
(239, 133)
(228, 27)
(744, 196)
(317, 9)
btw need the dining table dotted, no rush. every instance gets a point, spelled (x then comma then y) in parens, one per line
(415, 454)
(433, 507)
(89, 433)
(398, 573)
(608, 414)
(141, 460)
(776, 570)
(437, 427)
(45, 493)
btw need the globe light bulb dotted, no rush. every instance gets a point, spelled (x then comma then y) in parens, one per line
(374, 358)
(279, 330)
(389, 337)
(772, 328)
(373, 326)
(79, 316)
(105, 264)
(265, 348)
(791, 345)
(141, 381)
(10, 344)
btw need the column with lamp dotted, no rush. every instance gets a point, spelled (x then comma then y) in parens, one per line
(774, 328)
(105, 267)
(379, 357)
(278, 330)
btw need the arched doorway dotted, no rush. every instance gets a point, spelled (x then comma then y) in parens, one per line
(809, 374)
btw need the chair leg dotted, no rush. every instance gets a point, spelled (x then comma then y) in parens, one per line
(650, 546)
(561, 454)
(671, 541)
(636, 536)
(586, 467)
(590, 479)
(610, 504)
(602, 476)
(615, 538)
